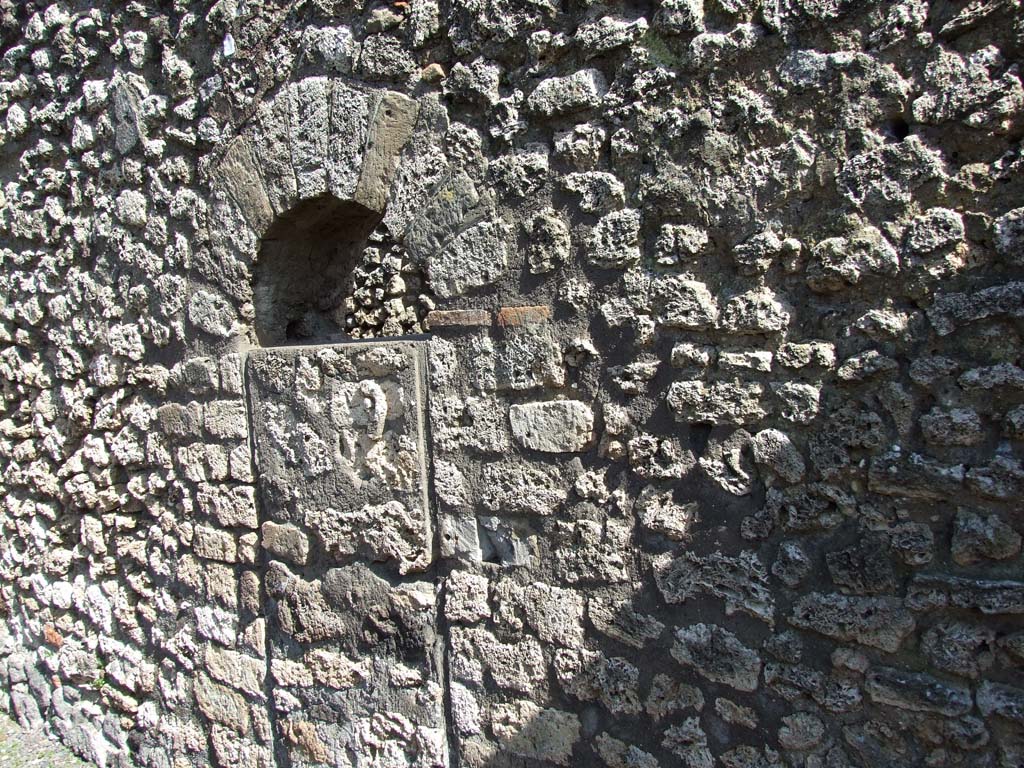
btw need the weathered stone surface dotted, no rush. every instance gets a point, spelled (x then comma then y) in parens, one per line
(957, 426)
(531, 732)
(241, 672)
(466, 597)
(917, 692)
(879, 622)
(717, 654)
(800, 402)
(589, 676)
(475, 258)
(1002, 478)
(684, 304)
(963, 649)
(522, 489)
(993, 597)
(557, 426)
(476, 81)
(598, 191)
(240, 175)
(792, 565)
(1009, 229)
(668, 696)
(914, 476)
(515, 666)
(741, 581)
(222, 705)
(654, 459)
(774, 450)
(862, 568)
(573, 93)
(390, 532)
(528, 357)
(949, 311)
(801, 731)
(757, 311)
(287, 542)
(689, 742)
(556, 614)
(993, 377)
(442, 218)
(618, 754)
(549, 243)
(841, 261)
(976, 539)
(1003, 701)
(616, 619)
(812, 353)
(657, 512)
(380, 473)
(718, 402)
(211, 313)
(232, 507)
(728, 461)
(214, 544)
(613, 243)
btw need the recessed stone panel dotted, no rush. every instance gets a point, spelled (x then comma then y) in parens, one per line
(340, 453)
(352, 637)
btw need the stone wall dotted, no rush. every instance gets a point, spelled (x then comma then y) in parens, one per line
(501, 383)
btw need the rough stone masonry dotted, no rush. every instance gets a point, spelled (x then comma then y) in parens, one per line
(513, 383)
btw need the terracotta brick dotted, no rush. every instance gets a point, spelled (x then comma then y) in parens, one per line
(524, 315)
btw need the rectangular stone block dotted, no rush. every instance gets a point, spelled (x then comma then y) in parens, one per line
(391, 124)
(215, 545)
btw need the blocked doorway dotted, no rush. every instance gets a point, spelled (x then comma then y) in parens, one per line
(355, 657)
(339, 445)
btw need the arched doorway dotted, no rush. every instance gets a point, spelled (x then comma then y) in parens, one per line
(305, 269)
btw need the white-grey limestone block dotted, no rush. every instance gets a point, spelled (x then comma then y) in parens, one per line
(573, 93)
(556, 426)
(614, 242)
(475, 258)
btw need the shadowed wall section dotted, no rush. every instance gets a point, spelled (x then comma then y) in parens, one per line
(305, 269)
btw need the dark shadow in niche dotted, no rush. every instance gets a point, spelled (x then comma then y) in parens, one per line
(305, 269)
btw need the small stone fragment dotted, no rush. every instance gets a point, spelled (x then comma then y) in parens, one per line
(613, 243)
(801, 731)
(563, 95)
(720, 402)
(286, 542)
(957, 426)
(773, 449)
(917, 692)
(548, 243)
(717, 654)
(529, 731)
(976, 538)
(476, 258)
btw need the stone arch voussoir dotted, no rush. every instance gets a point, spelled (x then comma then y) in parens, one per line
(318, 138)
